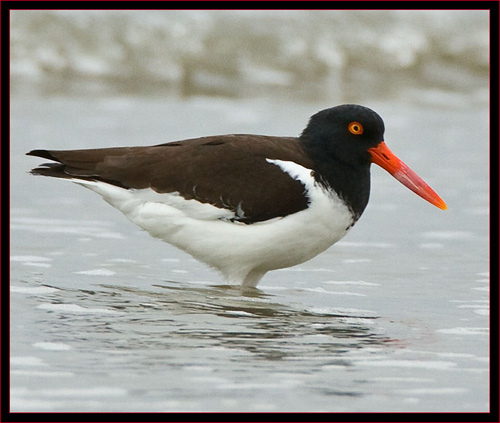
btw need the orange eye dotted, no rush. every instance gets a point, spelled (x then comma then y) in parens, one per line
(355, 128)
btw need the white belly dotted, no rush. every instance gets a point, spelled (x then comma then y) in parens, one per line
(242, 252)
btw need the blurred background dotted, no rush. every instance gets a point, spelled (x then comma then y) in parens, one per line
(340, 56)
(394, 317)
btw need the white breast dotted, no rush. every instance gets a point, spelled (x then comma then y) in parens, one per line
(243, 253)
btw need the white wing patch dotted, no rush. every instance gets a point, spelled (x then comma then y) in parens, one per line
(301, 174)
(148, 201)
(295, 170)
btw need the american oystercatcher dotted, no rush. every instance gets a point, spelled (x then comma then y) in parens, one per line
(245, 204)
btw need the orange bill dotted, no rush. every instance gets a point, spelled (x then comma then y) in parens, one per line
(386, 159)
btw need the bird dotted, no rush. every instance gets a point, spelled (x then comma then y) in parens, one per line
(245, 204)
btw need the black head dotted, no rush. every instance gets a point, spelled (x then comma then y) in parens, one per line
(344, 133)
(343, 141)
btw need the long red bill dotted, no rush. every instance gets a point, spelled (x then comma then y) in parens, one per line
(386, 159)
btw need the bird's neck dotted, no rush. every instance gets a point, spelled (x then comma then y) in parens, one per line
(351, 183)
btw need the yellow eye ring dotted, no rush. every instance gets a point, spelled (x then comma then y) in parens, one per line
(355, 128)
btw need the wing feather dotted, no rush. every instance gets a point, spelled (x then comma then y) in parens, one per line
(226, 171)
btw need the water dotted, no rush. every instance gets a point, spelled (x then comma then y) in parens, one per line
(395, 317)
(346, 55)
(392, 318)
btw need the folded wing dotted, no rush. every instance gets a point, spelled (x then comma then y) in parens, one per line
(224, 171)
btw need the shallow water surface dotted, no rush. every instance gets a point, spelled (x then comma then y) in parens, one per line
(392, 318)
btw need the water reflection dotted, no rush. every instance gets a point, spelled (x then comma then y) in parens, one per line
(171, 315)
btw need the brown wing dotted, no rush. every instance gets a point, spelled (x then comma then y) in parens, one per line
(228, 171)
